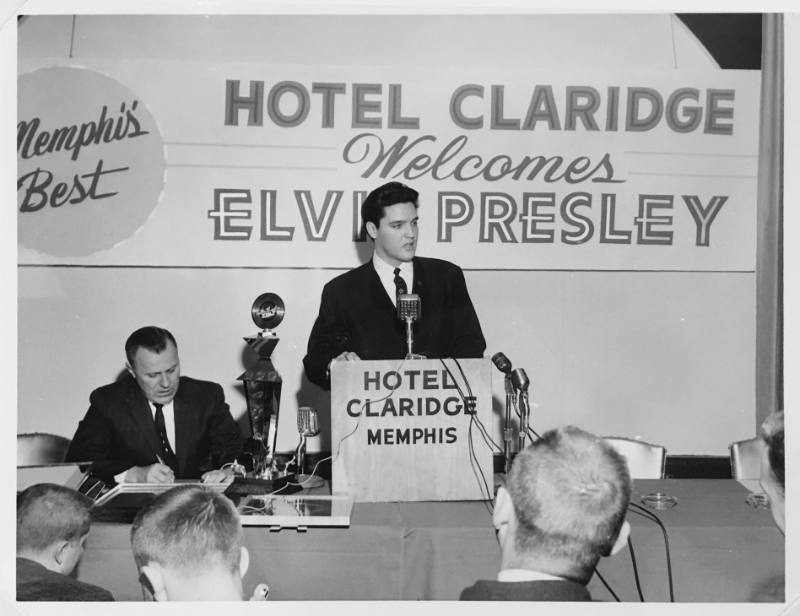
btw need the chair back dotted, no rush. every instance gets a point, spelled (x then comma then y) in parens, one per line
(645, 460)
(41, 448)
(746, 458)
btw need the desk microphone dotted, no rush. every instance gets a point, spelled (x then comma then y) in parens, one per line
(307, 425)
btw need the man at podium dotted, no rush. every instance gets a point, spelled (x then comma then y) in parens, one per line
(358, 312)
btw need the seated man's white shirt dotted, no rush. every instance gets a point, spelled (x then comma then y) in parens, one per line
(169, 423)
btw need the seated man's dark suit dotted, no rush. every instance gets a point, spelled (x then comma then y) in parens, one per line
(538, 590)
(35, 582)
(357, 315)
(118, 431)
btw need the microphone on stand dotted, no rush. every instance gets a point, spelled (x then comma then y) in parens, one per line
(409, 309)
(503, 364)
(307, 425)
(521, 382)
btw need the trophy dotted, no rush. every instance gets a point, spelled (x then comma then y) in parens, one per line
(262, 386)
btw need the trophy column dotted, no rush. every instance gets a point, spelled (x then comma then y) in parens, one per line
(262, 386)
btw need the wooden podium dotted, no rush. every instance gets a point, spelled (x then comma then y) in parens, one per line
(401, 429)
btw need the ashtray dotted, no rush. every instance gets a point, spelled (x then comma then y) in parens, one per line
(757, 500)
(659, 500)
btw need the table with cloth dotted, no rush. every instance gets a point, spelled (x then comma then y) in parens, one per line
(721, 548)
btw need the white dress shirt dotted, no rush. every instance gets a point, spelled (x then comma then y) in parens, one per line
(169, 423)
(524, 575)
(386, 274)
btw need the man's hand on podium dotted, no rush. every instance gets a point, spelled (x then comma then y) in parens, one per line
(345, 356)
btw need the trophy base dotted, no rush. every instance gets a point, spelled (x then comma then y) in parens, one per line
(245, 486)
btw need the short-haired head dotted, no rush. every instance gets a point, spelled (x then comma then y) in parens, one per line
(772, 434)
(188, 529)
(570, 492)
(384, 196)
(48, 514)
(152, 338)
(773, 473)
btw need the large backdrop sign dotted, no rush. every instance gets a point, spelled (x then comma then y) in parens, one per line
(268, 165)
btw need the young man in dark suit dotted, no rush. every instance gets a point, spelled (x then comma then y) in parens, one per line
(155, 426)
(358, 317)
(562, 509)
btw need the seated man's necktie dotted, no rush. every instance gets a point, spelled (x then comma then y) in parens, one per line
(167, 455)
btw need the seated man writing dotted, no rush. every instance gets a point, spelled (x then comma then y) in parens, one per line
(155, 426)
(563, 508)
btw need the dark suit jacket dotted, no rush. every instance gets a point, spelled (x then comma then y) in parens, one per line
(540, 590)
(37, 583)
(357, 315)
(118, 431)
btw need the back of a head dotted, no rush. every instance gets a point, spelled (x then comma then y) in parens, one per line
(570, 492)
(190, 530)
(384, 196)
(773, 472)
(772, 433)
(48, 513)
(150, 337)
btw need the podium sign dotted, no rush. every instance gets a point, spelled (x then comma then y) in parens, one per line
(401, 429)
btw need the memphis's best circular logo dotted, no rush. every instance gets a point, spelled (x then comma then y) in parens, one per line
(90, 162)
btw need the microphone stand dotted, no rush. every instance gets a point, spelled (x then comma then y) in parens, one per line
(524, 419)
(410, 337)
(508, 431)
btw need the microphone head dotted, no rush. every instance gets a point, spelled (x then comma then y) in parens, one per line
(409, 307)
(502, 362)
(520, 380)
(307, 421)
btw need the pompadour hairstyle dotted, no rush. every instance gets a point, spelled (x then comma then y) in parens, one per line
(772, 433)
(188, 529)
(384, 196)
(570, 492)
(48, 513)
(152, 338)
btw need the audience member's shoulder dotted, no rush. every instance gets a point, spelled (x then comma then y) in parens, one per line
(37, 583)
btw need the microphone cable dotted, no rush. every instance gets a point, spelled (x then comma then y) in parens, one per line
(633, 507)
(335, 454)
(474, 463)
(606, 584)
(484, 432)
(635, 570)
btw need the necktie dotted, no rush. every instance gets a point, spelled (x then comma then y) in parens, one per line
(167, 455)
(399, 283)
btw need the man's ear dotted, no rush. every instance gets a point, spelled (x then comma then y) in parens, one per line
(129, 368)
(372, 229)
(244, 561)
(60, 552)
(152, 577)
(622, 538)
